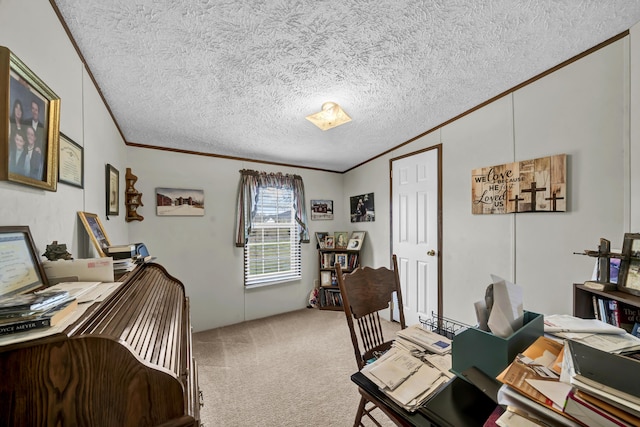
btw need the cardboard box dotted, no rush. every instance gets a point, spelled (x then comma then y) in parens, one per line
(490, 353)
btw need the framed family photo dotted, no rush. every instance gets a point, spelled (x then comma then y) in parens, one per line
(70, 162)
(96, 232)
(321, 209)
(356, 240)
(29, 150)
(112, 180)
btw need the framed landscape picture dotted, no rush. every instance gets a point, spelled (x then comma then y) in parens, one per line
(321, 209)
(179, 202)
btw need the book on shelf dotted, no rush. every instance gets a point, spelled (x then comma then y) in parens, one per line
(31, 301)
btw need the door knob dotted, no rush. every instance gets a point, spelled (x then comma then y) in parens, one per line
(431, 253)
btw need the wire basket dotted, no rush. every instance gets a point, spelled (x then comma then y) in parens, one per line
(442, 325)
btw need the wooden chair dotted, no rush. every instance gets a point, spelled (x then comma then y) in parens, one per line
(364, 292)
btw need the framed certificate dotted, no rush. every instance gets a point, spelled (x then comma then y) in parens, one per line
(70, 162)
(20, 268)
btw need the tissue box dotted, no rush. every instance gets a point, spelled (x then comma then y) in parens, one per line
(489, 353)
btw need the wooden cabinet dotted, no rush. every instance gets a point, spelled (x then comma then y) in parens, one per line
(608, 306)
(126, 362)
(329, 297)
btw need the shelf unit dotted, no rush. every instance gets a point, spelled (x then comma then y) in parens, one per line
(132, 198)
(586, 301)
(329, 297)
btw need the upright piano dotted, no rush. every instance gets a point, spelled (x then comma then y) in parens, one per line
(127, 361)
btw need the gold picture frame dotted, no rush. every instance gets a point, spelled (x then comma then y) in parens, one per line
(96, 232)
(29, 150)
(629, 276)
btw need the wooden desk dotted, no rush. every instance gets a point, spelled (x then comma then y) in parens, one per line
(458, 404)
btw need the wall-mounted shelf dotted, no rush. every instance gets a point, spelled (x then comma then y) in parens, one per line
(132, 198)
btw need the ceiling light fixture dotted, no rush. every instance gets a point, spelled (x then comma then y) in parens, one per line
(330, 116)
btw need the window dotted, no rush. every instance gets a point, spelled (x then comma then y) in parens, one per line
(271, 224)
(272, 252)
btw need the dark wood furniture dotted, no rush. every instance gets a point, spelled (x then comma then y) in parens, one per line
(132, 198)
(328, 293)
(583, 304)
(457, 404)
(126, 362)
(365, 292)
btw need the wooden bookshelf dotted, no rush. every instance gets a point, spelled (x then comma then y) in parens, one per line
(329, 297)
(586, 302)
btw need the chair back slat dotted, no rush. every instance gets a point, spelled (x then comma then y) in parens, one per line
(365, 292)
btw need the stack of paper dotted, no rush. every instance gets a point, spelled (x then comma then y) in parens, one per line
(423, 339)
(406, 379)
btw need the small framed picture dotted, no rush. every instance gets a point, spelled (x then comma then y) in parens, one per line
(329, 242)
(70, 162)
(325, 278)
(342, 260)
(356, 240)
(112, 179)
(321, 209)
(96, 232)
(21, 262)
(320, 236)
(341, 238)
(629, 277)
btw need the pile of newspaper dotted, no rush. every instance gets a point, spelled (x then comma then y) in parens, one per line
(416, 366)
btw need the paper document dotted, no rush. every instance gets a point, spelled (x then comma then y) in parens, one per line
(396, 368)
(75, 289)
(507, 311)
(566, 323)
(84, 270)
(428, 340)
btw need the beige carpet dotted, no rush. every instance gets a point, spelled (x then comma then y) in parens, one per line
(291, 370)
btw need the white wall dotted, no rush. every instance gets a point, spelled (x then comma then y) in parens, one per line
(579, 110)
(200, 251)
(47, 51)
(589, 110)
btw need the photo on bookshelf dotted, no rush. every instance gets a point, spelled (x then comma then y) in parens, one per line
(320, 236)
(356, 240)
(325, 278)
(629, 279)
(341, 239)
(329, 242)
(342, 260)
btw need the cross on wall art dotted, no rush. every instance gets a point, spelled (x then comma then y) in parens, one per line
(538, 185)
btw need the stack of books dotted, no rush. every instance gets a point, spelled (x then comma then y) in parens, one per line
(121, 251)
(25, 312)
(566, 382)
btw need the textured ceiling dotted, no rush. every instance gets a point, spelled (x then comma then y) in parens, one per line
(237, 78)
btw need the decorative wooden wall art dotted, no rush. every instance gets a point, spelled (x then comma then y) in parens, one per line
(538, 185)
(132, 198)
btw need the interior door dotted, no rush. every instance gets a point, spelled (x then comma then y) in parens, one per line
(415, 210)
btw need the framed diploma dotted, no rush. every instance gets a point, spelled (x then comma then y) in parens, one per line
(20, 268)
(71, 162)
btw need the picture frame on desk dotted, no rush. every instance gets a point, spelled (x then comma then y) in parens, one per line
(18, 249)
(31, 112)
(341, 238)
(96, 232)
(629, 278)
